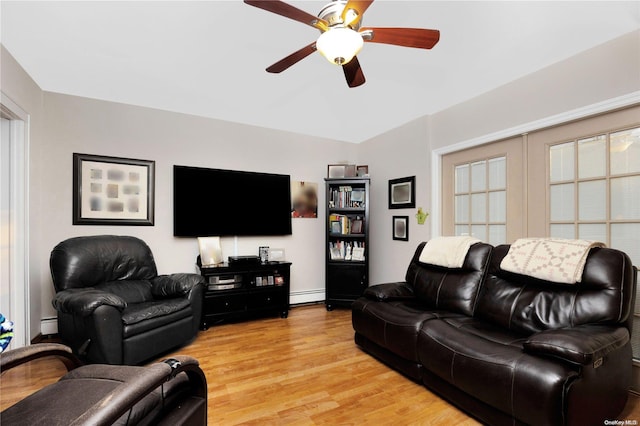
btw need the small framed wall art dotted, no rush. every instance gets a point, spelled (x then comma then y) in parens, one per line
(112, 190)
(401, 228)
(402, 193)
(362, 171)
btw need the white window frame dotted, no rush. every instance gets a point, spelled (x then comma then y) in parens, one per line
(19, 235)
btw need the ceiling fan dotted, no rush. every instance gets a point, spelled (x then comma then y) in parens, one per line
(342, 36)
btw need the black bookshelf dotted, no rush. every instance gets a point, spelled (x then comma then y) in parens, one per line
(347, 240)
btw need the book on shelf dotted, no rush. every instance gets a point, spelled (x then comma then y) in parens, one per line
(342, 224)
(347, 250)
(347, 197)
(357, 254)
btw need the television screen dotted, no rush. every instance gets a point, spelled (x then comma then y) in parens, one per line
(214, 202)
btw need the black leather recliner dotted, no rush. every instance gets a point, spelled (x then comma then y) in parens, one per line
(114, 308)
(173, 392)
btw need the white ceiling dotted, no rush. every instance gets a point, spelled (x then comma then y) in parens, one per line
(207, 58)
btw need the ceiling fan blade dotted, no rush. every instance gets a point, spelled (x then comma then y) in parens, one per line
(359, 6)
(353, 73)
(408, 37)
(284, 9)
(292, 59)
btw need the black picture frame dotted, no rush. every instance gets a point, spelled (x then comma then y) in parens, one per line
(113, 191)
(402, 193)
(400, 229)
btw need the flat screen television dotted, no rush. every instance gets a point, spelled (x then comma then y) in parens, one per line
(215, 202)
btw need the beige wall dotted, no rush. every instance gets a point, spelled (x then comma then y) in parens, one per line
(604, 72)
(398, 153)
(89, 126)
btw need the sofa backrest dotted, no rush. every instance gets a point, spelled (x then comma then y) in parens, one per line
(90, 261)
(529, 305)
(448, 288)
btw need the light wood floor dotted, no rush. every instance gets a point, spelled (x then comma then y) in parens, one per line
(301, 370)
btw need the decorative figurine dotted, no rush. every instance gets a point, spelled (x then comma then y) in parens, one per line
(421, 216)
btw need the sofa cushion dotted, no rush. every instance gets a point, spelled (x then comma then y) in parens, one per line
(455, 290)
(488, 363)
(131, 291)
(392, 325)
(528, 305)
(138, 312)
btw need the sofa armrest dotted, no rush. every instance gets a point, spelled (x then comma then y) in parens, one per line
(174, 285)
(14, 357)
(83, 301)
(585, 344)
(390, 291)
(121, 399)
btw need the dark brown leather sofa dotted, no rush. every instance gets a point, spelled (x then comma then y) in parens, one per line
(508, 348)
(173, 392)
(114, 308)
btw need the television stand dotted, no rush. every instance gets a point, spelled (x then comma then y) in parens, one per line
(241, 291)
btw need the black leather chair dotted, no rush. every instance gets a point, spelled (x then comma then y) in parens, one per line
(114, 308)
(173, 392)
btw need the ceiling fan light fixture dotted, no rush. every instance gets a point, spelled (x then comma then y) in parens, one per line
(339, 45)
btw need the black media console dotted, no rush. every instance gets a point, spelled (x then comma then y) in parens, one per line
(245, 289)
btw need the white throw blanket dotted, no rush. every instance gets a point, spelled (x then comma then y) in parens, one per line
(550, 259)
(447, 251)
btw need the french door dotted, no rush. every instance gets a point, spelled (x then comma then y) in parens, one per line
(483, 192)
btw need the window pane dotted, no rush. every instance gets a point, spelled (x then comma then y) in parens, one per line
(625, 151)
(625, 237)
(498, 173)
(592, 200)
(592, 157)
(563, 231)
(479, 176)
(479, 231)
(462, 178)
(462, 230)
(625, 198)
(497, 234)
(498, 206)
(462, 208)
(593, 232)
(478, 208)
(562, 207)
(562, 162)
